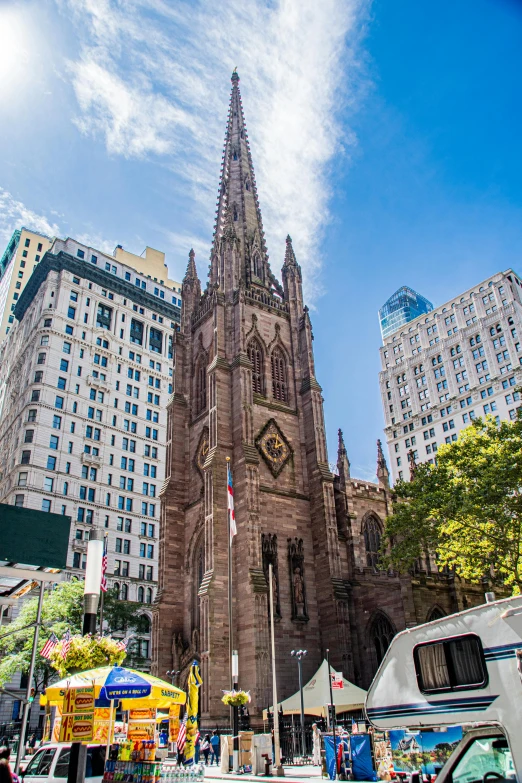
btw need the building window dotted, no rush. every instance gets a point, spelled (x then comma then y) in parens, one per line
(46, 505)
(381, 634)
(19, 501)
(279, 387)
(201, 386)
(26, 458)
(255, 354)
(372, 541)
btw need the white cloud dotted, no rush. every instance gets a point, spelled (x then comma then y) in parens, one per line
(14, 214)
(151, 79)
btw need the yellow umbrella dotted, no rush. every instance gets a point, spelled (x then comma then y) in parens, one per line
(132, 688)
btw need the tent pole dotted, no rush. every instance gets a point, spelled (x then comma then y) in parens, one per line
(332, 712)
(109, 736)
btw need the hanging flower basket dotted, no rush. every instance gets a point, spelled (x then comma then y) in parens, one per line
(236, 698)
(86, 652)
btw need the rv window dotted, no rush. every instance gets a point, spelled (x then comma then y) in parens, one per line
(450, 664)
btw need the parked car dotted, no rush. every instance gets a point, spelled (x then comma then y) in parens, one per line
(50, 764)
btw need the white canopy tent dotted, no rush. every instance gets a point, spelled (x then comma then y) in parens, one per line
(316, 696)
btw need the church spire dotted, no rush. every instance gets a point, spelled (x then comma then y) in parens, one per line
(190, 293)
(343, 463)
(238, 215)
(383, 474)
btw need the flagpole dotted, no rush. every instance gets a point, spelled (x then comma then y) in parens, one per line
(231, 634)
(102, 598)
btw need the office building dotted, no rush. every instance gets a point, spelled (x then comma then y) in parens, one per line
(23, 252)
(85, 376)
(442, 370)
(402, 307)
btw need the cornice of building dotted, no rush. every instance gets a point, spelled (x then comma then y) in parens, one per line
(63, 261)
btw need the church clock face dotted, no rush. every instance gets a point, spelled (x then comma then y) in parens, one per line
(202, 451)
(273, 447)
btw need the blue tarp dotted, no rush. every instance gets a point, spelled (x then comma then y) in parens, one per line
(361, 753)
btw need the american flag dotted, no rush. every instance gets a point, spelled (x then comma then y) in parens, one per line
(66, 643)
(232, 515)
(182, 735)
(105, 560)
(122, 644)
(50, 644)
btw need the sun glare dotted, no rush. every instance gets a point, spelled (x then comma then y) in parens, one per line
(16, 52)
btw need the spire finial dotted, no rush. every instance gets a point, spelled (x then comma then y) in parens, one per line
(383, 474)
(235, 76)
(191, 273)
(343, 463)
(290, 259)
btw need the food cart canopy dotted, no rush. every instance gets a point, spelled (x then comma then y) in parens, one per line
(134, 689)
(316, 696)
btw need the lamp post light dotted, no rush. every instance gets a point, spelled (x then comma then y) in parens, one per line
(299, 655)
(173, 675)
(235, 713)
(93, 575)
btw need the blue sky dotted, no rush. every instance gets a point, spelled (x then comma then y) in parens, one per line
(385, 138)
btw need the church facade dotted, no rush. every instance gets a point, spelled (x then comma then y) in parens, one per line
(245, 389)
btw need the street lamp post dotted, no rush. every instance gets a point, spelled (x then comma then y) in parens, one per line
(235, 713)
(93, 574)
(299, 655)
(173, 675)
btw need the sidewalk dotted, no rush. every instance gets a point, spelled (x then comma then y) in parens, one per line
(306, 772)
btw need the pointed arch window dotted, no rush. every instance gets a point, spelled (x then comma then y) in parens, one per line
(201, 387)
(256, 265)
(255, 354)
(279, 387)
(235, 212)
(381, 634)
(124, 593)
(372, 541)
(141, 595)
(435, 613)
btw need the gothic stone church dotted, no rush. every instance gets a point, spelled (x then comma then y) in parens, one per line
(245, 388)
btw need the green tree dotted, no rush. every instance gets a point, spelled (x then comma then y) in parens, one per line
(62, 609)
(467, 509)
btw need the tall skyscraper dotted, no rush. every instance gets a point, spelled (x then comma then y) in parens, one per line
(442, 370)
(245, 389)
(23, 252)
(403, 306)
(85, 376)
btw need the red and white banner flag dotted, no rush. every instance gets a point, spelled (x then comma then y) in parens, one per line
(66, 644)
(231, 513)
(105, 560)
(49, 646)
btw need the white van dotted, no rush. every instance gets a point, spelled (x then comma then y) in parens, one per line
(464, 669)
(50, 764)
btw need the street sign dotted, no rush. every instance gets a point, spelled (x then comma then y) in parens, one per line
(337, 681)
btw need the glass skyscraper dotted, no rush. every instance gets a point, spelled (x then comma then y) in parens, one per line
(401, 308)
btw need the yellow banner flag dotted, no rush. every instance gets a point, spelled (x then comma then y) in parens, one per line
(194, 683)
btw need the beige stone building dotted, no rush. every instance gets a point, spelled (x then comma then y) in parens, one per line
(23, 252)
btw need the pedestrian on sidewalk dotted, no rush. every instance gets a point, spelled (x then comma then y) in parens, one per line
(215, 742)
(316, 747)
(205, 748)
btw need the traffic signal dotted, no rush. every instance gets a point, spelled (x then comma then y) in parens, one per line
(32, 695)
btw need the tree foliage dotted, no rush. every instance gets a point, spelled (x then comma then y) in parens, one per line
(62, 610)
(467, 509)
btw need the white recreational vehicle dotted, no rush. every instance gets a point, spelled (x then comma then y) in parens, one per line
(464, 669)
